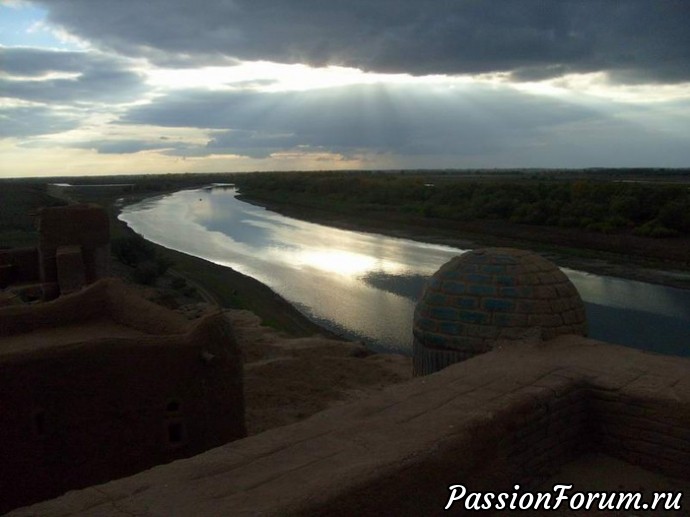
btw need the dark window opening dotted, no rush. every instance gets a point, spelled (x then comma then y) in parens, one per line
(175, 433)
(173, 406)
(40, 423)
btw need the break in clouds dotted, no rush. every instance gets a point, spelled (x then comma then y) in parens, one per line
(633, 40)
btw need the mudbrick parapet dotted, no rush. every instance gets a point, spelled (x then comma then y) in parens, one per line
(512, 415)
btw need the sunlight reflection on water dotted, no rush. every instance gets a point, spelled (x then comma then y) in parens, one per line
(365, 285)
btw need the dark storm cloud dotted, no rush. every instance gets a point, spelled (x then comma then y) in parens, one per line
(349, 120)
(17, 122)
(33, 62)
(97, 78)
(255, 144)
(639, 40)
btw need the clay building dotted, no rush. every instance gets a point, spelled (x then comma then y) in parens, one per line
(97, 383)
(101, 384)
(73, 251)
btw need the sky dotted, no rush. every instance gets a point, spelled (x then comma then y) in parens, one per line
(95, 87)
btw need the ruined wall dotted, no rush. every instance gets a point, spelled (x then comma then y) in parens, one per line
(86, 226)
(19, 265)
(97, 409)
(73, 251)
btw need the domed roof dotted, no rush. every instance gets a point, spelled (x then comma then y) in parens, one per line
(492, 294)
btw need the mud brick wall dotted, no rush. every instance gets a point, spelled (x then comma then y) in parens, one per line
(487, 295)
(23, 264)
(85, 225)
(510, 416)
(106, 298)
(68, 310)
(71, 274)
(642, 422)
(82, 225)
(632, 416)
(546, 430)
(99, 409)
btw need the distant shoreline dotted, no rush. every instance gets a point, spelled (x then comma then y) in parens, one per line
(591, 261)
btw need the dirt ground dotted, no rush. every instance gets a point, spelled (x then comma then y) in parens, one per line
(287, 379)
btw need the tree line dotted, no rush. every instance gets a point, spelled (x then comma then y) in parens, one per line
(647, 209)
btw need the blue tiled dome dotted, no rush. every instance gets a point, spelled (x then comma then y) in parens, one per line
(487, 295)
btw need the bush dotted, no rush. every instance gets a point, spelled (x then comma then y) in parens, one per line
(140, 254)
(178, 283)
(162, 264)
(655, 229)
(676, 215)
(190, 291)
(626, 206)
(132, 250)
(145, 273)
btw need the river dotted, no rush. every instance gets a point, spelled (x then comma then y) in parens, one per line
(363, 285)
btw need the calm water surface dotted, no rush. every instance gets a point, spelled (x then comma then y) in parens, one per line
(364, 285)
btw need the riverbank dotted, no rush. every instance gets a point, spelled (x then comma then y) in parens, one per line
(635, 258)
(293, 368)
(228, 288)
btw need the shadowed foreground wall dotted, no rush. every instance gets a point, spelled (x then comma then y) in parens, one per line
(512, 415)
(102, 384)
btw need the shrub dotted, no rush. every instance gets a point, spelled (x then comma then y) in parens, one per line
(676, 215)
(162, 264)
(145, 273)
(132, 250)
(140, 254)
(655, 229)
(178, 283)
